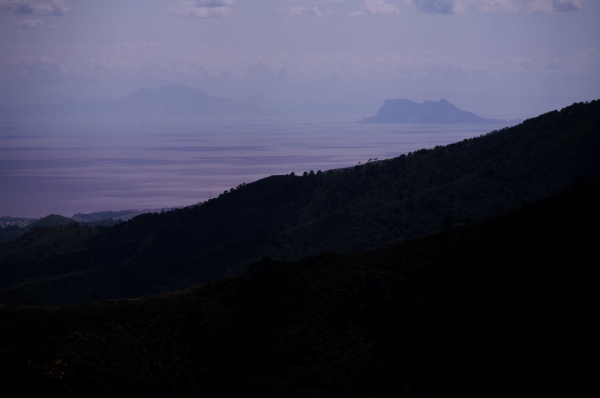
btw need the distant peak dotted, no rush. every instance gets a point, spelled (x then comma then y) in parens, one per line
(168, 88)
(407, 101)
(406, 111)
(175, 87)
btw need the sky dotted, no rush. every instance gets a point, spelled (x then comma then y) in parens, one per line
(497, 58)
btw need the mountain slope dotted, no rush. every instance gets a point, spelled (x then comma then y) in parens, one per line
(290, 217)
(500, 307)
(406, 111)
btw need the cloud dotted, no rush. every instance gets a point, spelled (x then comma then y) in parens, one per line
(31, 23)
(76, 63)
(567, 5)
(495, 6)
(36, 68)
(312, 11)
(311, 8)
(546, 6)
(34, 7)
(434, 6)
(204, 9)
(582, 63)
(372, 7)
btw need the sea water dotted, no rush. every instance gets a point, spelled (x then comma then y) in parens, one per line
(66, 167)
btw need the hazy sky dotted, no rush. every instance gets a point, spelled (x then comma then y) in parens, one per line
(494, 57)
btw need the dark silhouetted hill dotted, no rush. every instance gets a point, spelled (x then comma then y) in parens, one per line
(500, 307)
(289, 217)
(13, 229)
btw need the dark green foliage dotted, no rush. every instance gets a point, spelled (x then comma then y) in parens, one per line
(53, 220)
(11, 232)
(289, 217)
(501, 307)
(105, 215)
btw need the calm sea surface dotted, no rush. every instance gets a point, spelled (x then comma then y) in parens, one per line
(68, 167)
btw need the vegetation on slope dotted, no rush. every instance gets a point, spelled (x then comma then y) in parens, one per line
(500, 307)
(15, 227)
(289, 217)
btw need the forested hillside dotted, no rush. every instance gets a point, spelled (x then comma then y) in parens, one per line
(13, 230)
(500, 307)
(289, 217)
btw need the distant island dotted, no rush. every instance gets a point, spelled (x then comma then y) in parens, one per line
(172, 102)
(410, 112)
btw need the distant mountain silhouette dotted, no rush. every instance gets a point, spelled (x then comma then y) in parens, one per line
(406, 111)
(171, 102)
(176, 101)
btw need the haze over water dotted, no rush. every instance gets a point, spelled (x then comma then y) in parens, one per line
(65, 167)
(504, 59)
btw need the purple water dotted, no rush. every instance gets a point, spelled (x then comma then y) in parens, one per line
(67, 167)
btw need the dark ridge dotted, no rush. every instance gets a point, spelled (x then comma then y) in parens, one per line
(499, 307)
(289, 217)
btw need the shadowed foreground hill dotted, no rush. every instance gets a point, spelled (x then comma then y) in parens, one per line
(289, 217)
(501, 307)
